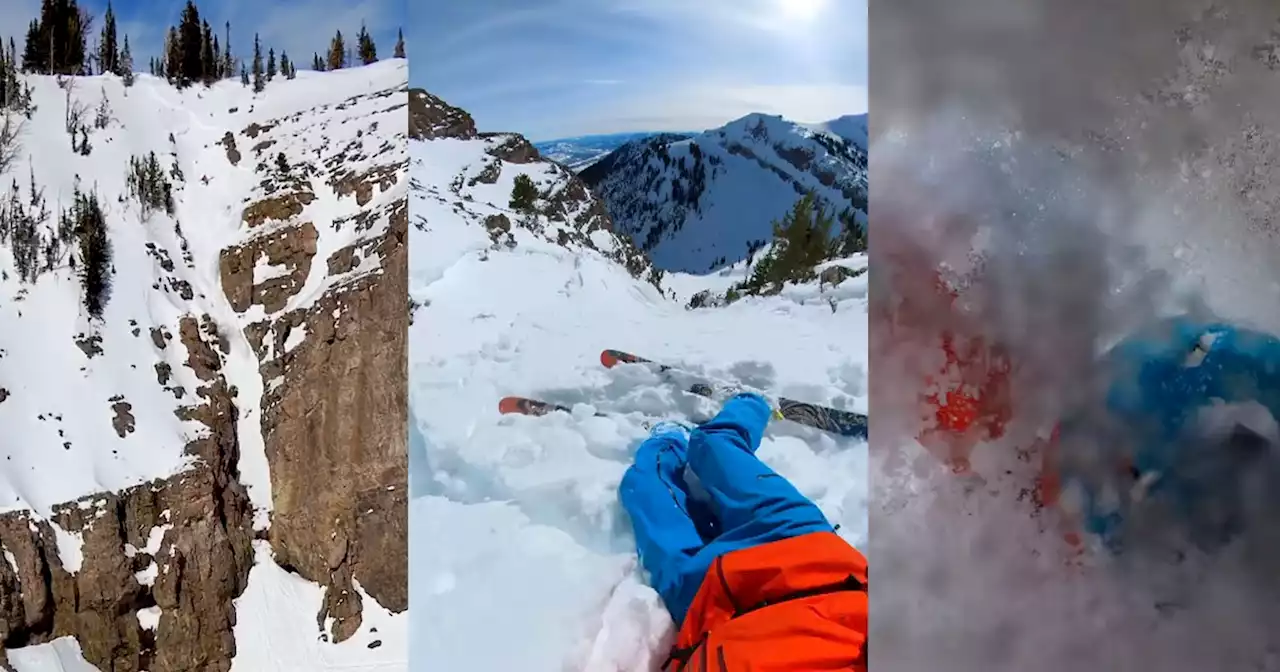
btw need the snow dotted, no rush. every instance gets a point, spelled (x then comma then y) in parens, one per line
(149, 618)
(70, 545)
(60, 443)
(539, 556)
(277, 605)
(851, 127)
(60, 655)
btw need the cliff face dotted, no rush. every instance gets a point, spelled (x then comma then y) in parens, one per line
(244, 387)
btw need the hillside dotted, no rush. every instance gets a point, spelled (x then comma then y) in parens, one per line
(517, 534)
(695, 204)
(158, 499)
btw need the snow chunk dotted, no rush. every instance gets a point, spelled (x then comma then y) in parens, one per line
(61, 655)
(149, 618)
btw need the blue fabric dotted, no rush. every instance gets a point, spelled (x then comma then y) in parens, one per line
(1154, 392)
(679, 536)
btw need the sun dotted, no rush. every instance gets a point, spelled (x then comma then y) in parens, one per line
(800, 10)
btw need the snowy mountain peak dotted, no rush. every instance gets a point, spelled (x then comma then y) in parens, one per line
(696, 203)
(178, 277)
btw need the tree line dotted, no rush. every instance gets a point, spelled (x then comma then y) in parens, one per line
(58, 42)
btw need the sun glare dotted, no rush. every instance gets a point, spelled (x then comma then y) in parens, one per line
(801, 10)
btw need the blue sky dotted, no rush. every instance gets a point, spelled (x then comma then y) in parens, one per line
(298, 27)
(558, 68)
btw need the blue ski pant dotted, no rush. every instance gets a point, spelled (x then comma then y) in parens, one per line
(678, 537)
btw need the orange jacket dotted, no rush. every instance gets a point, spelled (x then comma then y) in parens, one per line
(795, 605)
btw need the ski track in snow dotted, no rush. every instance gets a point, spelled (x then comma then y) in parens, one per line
(59, 442)
(517, 536)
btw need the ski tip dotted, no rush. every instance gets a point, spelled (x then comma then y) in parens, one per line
(510, 405)
(609, 358)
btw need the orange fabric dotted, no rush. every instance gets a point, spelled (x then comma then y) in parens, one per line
(806, 634)
(969, 399)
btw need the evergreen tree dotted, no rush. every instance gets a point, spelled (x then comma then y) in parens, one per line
(208, 60)
(190, 46)
(55, 42)
(271, 64)
(218, 72)
(244, 75)
(228, 63)
(801, 241)
(316, 63)
(368, 50)
(524, 194)
(35, 55)
(108, 52)
(399, 53)
(286, 68)
(74, 36)
(90, 226)
(258, 82)
(173, 57)
(337, 52)
(126, 63)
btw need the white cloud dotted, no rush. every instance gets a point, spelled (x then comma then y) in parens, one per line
(702, 105)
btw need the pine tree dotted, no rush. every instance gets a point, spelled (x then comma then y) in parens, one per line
(258, 82)
(126, 63)
(524, 194)
(190, 46)
(35, 55)
(218, 72)
(108, 53)
(316, 63)
(244, 75)
(399, 53)
(228, 63)
(95, 253)
(368, 50)
(173, 57)
(271, 64)
(286, 68)
(337, 52)
(55, 42)
(208, 61)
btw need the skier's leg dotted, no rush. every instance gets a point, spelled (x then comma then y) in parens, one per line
(653, 493)
(752, 502)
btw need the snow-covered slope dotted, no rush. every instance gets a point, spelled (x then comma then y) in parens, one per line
(851, 127)
(517, 537)
(579, 152)
(696, 204)
(139, 442)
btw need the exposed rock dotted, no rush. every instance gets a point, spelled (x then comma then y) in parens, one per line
(291, 248)
(89, 344)
(229, 142)
(333, 420)
(430, 118)
(201, 565)
(835, 275)
(362, 184)
(513, 147)
(123, 422)
(497, 226)
(281, 208)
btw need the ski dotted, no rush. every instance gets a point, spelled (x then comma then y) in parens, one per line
(843, 423)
